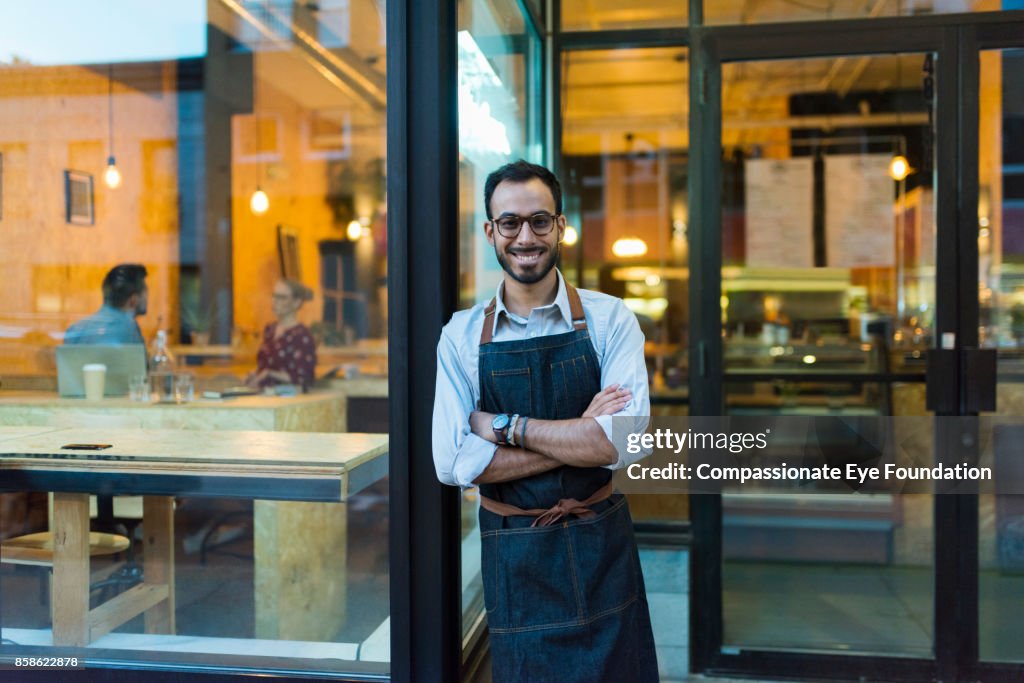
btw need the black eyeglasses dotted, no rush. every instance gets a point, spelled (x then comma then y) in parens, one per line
(510, 225)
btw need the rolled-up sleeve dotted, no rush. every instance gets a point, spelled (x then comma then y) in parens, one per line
(624, 364)
(459, 455)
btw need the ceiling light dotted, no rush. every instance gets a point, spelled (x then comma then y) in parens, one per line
(629, 247)
(570, 236)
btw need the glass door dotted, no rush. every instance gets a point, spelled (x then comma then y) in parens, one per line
(999, 228)
(828, 300)
(869, 221)
(829, 238)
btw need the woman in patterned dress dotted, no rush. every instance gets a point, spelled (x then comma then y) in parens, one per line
(288, 352)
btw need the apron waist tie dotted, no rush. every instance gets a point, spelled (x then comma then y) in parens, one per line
(563, 508)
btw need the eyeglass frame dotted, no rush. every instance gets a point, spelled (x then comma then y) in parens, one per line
(525, 219)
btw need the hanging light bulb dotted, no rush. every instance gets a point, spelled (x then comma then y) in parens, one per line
(570, 236)
(112, 176)
(899, 167)
(259, 203)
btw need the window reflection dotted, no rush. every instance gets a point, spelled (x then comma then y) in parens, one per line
(250, 139)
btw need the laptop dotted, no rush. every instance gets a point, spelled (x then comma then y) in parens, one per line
(122, 361)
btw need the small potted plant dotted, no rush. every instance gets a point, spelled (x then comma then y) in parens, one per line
(197, 320)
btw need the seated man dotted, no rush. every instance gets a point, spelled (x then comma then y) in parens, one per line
(124, 298)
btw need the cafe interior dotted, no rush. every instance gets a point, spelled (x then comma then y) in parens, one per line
(808, 206)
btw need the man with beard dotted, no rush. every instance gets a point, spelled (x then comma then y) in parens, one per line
(125, 296)
(519, 410)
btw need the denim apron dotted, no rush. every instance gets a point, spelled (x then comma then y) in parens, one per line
(565, 602)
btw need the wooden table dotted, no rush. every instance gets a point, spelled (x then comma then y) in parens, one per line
(161, 464)
(317, 411)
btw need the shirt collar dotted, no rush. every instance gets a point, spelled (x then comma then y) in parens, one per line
(561, 301)
(107, 308)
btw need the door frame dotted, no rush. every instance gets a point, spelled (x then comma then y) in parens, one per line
(956, 40)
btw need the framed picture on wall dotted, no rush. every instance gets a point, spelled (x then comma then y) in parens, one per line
(288, 252)
(78, 198)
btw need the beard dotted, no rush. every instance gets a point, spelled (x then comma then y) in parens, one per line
(533, 273)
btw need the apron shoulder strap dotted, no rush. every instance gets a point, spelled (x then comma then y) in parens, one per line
(579, 320)
(488, 328)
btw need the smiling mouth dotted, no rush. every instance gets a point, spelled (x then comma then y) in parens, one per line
(527, 257)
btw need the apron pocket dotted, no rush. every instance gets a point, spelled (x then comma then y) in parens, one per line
(572, 380)
(510, 390)
(537, 584)
(607, 562)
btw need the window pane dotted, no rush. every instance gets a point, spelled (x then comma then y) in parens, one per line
(598, 15)
(499, 94)
(249, 144)
(624, 160)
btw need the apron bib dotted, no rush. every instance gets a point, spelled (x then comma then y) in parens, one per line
(565, 602)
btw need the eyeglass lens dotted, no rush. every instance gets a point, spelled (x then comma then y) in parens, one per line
(540, 224)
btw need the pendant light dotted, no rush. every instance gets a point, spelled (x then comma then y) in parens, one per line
(259, 202)
(111, 176)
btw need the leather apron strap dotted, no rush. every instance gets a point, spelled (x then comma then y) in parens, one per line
(563, 508)
(579, 320)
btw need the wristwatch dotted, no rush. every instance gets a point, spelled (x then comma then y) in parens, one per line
(500, 425)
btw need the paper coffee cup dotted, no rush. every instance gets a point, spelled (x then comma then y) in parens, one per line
(94, 375)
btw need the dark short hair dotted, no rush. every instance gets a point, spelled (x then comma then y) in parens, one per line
(121, 282)
(522, 171)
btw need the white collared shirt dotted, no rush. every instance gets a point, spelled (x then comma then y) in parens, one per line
(461, 456)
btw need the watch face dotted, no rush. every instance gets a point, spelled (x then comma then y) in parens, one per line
(500, 421)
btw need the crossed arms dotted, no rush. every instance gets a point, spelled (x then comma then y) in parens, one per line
(579, 442)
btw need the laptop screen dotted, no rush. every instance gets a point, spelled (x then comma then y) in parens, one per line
(123, 362)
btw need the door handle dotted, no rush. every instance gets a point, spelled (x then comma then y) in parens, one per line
(979, 379)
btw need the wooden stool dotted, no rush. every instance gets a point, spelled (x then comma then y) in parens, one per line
(37, 550)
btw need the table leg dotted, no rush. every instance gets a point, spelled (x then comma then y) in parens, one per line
(158, 562)
(301, 579)
(70, 596)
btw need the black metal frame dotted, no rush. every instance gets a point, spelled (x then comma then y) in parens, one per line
(422, 125)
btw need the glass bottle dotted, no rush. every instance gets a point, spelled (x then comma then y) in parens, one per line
(161, 369)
